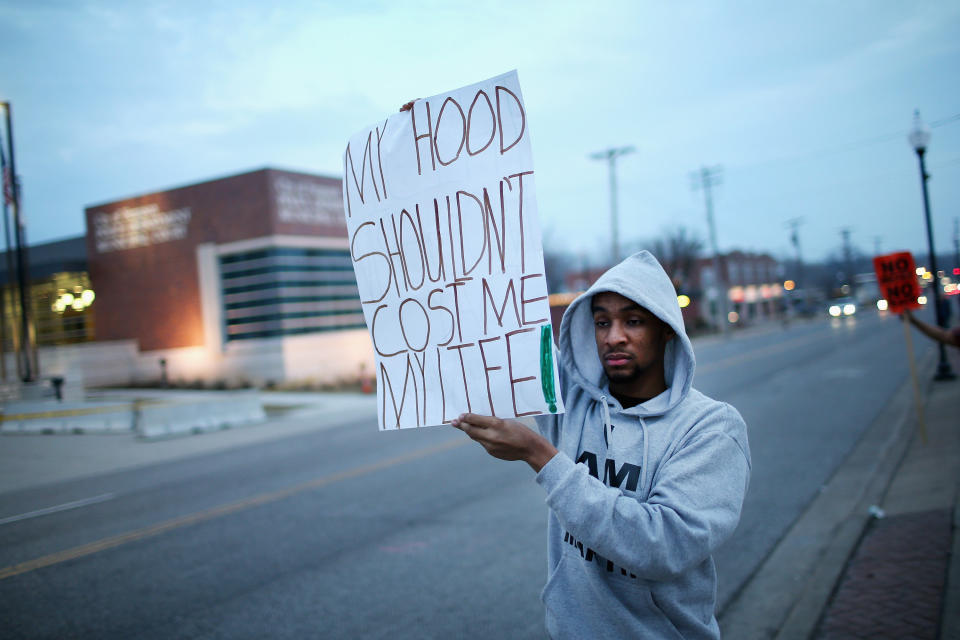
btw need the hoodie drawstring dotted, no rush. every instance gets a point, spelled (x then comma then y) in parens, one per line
(607, 427)
(608, 435)
(643, 467)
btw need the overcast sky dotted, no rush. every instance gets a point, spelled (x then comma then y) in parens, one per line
(805, 105)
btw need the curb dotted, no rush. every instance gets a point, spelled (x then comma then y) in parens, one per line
(950, 620)
(786, 595)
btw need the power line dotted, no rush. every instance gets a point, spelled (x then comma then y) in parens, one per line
(943, 121)
(849, 146)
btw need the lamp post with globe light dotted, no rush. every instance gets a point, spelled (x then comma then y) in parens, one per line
(919, 138)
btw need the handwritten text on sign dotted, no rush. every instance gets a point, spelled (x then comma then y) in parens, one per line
(897, 277)
(445, 242)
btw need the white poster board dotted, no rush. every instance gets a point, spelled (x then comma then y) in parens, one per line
(445, 241)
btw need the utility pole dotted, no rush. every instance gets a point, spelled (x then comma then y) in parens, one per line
(956, 243)
(706, 179)
(794, 224)
(847, 259)
(611, 155)
(956, 250)
(11, 182)
(799, 281)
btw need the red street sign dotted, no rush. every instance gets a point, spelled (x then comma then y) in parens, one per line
(897, 277)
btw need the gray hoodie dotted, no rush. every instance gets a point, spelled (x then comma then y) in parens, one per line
(639, 498)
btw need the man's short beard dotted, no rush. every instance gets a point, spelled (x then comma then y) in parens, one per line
(624, 375)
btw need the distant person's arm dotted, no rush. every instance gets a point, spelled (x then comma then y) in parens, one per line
(939, 334)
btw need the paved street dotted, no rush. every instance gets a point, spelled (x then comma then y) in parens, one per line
(346, 532)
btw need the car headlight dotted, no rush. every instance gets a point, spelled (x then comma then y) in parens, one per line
(849, 309)
(835, 310)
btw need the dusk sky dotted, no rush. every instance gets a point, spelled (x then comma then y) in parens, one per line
(806, 106)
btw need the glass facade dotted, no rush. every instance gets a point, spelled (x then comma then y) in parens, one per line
(282, 291)
(62, 310)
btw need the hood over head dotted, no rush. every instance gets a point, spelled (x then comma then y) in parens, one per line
(640, 278)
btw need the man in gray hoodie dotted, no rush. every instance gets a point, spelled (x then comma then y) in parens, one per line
(645, 476)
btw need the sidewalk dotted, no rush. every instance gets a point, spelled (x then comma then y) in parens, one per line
(895, 585)
(877, 554)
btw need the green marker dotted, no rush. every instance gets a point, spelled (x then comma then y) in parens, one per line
(546, 367)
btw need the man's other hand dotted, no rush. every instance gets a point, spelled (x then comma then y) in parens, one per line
(507, 439)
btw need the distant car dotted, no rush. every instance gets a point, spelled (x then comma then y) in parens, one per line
(842, 307)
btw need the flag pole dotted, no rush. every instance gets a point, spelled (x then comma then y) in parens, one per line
(25, 347)
(4, 330)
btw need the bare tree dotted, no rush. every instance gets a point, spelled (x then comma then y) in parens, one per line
(557, 262)
(678, 250)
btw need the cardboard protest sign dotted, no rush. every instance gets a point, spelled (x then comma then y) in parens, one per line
(897, 277)
(445, 241)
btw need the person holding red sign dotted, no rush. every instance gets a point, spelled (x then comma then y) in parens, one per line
(946, 336)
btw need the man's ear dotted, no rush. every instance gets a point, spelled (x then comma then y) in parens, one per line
(669, 333)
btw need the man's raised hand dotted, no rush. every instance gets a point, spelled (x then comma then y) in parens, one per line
(506, 439)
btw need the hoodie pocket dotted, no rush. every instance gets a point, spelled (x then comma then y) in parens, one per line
(552, 579)
(581, 602)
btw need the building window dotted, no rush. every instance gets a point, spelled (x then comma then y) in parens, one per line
(281, 291)
(62, 308)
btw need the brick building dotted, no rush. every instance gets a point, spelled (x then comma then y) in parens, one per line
(753, 288)
(246, 277)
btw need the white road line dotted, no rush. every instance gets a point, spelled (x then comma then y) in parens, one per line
(76, 504)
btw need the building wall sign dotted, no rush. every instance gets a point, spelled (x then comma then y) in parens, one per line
(308, 202)
(141, 226)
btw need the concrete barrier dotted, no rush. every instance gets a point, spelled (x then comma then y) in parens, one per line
(148, 418)
(66, 417)
(161, 420)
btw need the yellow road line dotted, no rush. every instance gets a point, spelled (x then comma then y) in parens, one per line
(64, 413)
(769, 350)
(219, 511)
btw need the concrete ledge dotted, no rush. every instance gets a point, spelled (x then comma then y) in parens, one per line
(165, 420)
(67, 417)
(150, 419)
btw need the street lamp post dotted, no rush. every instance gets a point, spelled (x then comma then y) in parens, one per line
(919, 137)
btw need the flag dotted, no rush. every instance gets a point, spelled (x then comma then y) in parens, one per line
(7, 187)
(8, 194)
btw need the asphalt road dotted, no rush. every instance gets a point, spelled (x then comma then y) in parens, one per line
(348, 532)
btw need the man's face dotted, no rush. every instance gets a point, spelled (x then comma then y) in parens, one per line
(630, 343)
